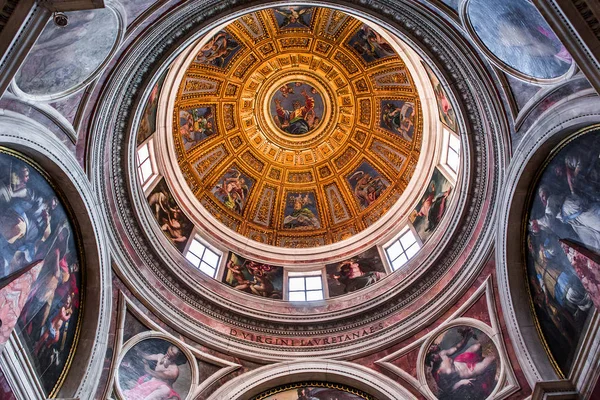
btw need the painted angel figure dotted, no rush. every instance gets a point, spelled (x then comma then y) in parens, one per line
(291, 15)
(399, 119)
(367, 189)
(233, 190)
(301, 216)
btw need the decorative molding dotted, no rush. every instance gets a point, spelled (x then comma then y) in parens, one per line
(140, 251)
(155, 331)
(507, 382)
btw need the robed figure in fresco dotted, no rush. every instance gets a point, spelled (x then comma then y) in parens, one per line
(462, 372)
(160, 372)
(295, 121)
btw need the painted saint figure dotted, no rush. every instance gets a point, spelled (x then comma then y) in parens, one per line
(301, 216)
(160, 372)
(233, 190)
(367, 188)
(462, 373)
(295, 121)
(254, 277)
(351, 275)
(399, 119)
(433, 206)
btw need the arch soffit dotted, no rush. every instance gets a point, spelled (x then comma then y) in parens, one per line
(359, 377)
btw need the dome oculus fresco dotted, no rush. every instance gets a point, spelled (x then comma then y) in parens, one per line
(297, 126)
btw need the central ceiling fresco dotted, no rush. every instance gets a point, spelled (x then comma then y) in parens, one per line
(297, 126)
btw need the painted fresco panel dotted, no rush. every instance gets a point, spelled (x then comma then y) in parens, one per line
(233, 189)
(297, 108)
(431, 208)
(40, 264)
(172, 221)
(148, 121)
(446, 111)
(293, 17)
(219, 50)
(154, 368)
(254, 277)
(370, 45)
(301, 211)
(397, 117)
(367, 184)
(355, 273)
(63, 58)
(565, 205)
(462, 363)
(519, 37)
(197, 124)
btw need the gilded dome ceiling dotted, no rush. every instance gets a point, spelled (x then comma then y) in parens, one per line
(297, 126)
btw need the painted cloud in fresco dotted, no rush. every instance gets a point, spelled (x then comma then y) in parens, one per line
(519, 37)
(462, 363)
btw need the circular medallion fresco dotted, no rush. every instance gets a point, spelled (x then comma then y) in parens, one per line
(297, 132)
(519, 39)
(462, 363)
(297, 107)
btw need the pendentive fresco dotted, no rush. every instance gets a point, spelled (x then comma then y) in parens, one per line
(63, 58)
(519, 38)
(154, 368)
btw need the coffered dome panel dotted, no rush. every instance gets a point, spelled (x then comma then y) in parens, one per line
(297, 126)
